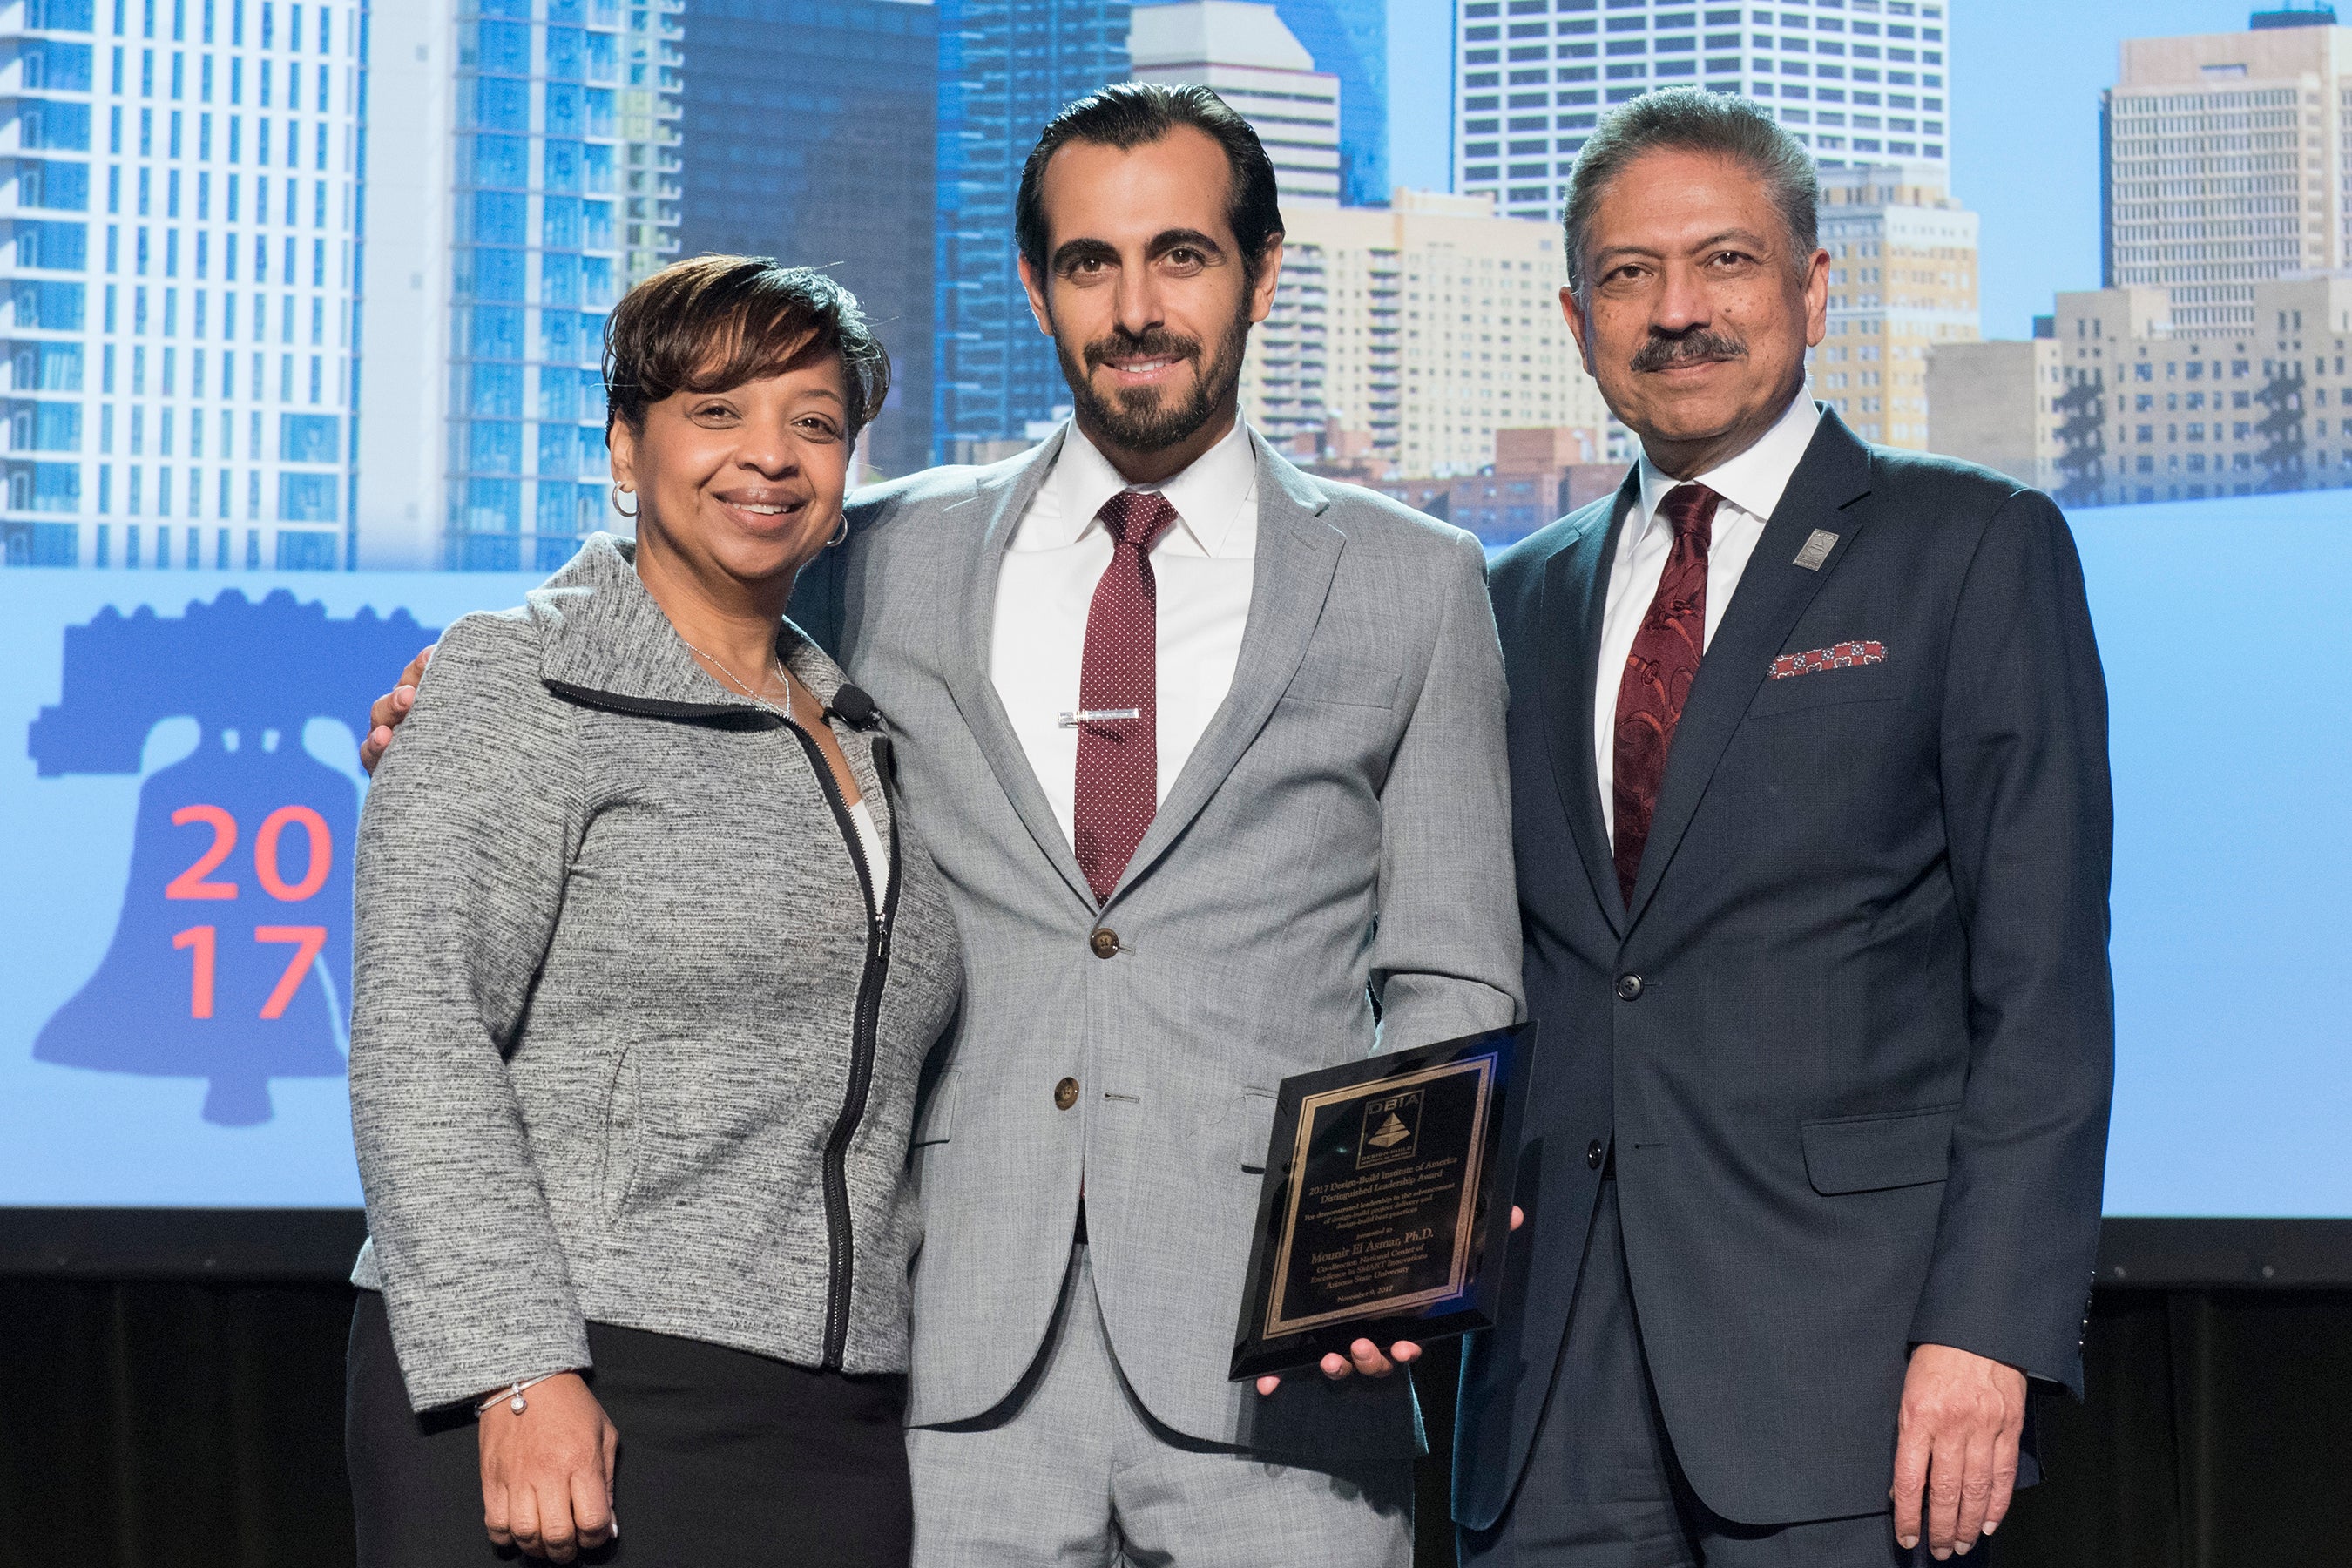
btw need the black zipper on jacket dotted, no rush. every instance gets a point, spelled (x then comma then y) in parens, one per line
(840, 1242)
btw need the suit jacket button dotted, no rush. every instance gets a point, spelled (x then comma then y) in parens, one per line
(1592, 1152)
(1066, 1094)
(1105, 942)
(1629, 987)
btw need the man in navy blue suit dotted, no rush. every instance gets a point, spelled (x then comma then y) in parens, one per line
(1811, 809)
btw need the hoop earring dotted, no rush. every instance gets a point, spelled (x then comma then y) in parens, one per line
(839, 533)
(618, 491)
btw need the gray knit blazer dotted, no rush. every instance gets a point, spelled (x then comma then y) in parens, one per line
(626, 1044)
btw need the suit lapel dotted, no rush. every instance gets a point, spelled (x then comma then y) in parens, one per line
(1298, 554)
(964, 660)
(1575, 599)
(1773, 593)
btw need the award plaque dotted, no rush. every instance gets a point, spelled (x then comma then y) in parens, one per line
(1387, 1201)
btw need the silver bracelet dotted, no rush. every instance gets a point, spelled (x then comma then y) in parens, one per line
(511, 1396)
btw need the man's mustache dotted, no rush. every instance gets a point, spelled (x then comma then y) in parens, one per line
(1156, 343)
(1689, 348)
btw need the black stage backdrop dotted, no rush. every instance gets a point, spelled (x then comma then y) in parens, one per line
(152, 1424)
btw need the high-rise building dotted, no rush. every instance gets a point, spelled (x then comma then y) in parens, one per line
(525, 169)
(1855, 80)
(1005, 66)
(1245, 54)
(1350, 38)
(1903, 282)
(1996, 402)
(2226, 163)
(809, 135)
(646, 124)
(1422, 328)
(180, 270)
(2116, 404)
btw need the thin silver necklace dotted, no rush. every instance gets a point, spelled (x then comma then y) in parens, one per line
(778, 666)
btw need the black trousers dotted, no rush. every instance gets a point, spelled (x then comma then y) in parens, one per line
(1603, 1487)
(726, 1459)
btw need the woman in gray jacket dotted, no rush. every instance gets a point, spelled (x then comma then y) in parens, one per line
(645, 972)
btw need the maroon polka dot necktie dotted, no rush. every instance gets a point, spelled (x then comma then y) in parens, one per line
(1118, 695)
(1658, 674)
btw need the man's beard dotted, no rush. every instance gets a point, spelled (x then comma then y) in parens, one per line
(1144, 418)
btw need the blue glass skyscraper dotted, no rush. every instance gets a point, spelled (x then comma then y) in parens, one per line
(533, 229)
(518, 184)
(808, 136)
(1350, 38)
(1005, 66)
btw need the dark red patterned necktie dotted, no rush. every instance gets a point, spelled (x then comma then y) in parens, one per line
(1118, 695)
(1658, 674)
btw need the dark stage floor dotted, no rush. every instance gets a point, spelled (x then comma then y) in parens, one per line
(161, 1424)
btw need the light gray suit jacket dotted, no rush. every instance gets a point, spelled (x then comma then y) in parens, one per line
(1339, 840)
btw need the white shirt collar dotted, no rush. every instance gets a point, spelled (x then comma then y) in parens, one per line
(1752, 481)
(1207, 495)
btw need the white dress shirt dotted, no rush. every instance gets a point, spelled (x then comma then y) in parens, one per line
(1750, 485)
(1201, 563)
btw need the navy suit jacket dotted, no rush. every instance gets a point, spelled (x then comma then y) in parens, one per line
(1859, 1092)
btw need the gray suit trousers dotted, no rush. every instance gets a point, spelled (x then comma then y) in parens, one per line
(1072, 1469)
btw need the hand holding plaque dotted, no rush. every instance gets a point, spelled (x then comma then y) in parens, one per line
(1384, 1212)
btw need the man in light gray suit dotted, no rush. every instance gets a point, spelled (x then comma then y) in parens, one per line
(1322, 841)
(1210, 753)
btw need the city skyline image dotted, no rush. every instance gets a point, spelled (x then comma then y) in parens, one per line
(241, 337)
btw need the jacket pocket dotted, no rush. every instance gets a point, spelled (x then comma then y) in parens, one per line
(1257, 1113)
(617, 1177)
(1887, 1148)
(937, 1122)
(1827, 688)
(1343, 681)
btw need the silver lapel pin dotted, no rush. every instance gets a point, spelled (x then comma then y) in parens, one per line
(1817, 549)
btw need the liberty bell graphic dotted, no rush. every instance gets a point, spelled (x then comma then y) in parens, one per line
(231, 961)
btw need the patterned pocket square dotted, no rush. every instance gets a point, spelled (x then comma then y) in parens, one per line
(1837, 656)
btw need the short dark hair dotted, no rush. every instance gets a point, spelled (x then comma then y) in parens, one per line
(717, 321)
(1691, 120)
(1131, 114)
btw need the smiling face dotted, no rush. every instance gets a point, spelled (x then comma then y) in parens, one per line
(1696, 311)
(1146, 295)
(743, 484)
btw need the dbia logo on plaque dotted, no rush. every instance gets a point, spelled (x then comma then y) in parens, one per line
(1391, 1129)
(231, 961)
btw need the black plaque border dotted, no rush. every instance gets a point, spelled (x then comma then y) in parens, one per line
(1253, 1352)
